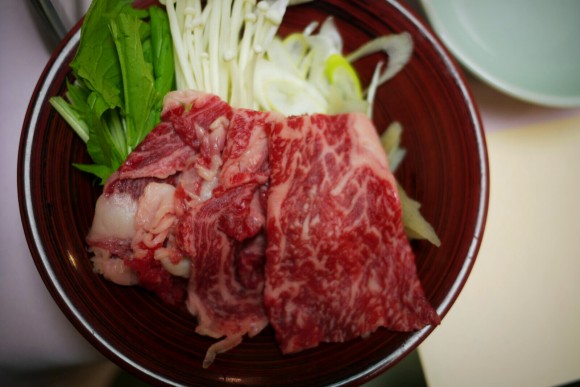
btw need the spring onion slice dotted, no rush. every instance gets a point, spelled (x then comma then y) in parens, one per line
(316, 55)
(282, 91)
(416, 226)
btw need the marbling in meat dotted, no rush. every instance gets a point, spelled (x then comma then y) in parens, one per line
(186, 210)
(338, 263)
(213, 234)
(250, 218)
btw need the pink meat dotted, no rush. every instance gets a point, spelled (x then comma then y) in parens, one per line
(252, 218)
(338, 264)
(183, 151)
(222, 232)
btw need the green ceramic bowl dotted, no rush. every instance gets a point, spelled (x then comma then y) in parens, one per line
(529, 49)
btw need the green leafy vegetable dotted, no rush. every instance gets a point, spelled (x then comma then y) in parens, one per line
(140, 96)
(123, 68)
(162, 52)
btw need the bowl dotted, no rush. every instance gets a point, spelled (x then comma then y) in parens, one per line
(526, 49)
(446, 170)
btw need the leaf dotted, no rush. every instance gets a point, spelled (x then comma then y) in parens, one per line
(68, 112)
(95, 62)
(78, 94)
(139, 91)
(114, 102)
(162, 46)
(104, 124)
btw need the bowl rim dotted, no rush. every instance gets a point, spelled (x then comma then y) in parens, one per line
(452, 65)
(51, 281)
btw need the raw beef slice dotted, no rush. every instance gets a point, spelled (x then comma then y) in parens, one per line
(249, 217)
(184, 216)
(223, 236)
(338, 263)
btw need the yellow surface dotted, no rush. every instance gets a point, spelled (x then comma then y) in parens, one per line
(517, 322)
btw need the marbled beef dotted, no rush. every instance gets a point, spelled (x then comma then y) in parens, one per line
(338, 263)
(250, 217)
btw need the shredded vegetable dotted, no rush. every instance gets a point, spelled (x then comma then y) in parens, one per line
(316, 56)
(230, 48)
(416, 226)
(218, 45)
(391, 141)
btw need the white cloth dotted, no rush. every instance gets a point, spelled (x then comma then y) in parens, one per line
(517, 320)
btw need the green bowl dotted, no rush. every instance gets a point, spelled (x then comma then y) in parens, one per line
(529, 49)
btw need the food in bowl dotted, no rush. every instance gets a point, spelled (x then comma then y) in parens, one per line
(249, 216)
(445, 170)
(293, 221)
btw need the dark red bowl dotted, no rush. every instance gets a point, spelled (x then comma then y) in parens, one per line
(446, 169)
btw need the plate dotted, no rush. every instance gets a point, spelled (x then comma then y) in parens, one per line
(527, 49)
(446, 170)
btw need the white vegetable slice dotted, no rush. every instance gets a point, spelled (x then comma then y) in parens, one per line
(391, 140)
(296, 45)
(340, 73)
(218, 43)
(279, 90)
(398, 47)
(416, 227)
(279, 55)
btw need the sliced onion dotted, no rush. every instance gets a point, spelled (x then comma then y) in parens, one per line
(398, 47)
(279, 90)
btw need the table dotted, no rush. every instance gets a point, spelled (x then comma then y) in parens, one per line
(506, 313)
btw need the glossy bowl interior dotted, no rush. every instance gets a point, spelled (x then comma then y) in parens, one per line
(445, 169)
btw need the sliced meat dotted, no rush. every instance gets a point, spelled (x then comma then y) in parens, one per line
(338, 264)
(132, 235)
(213, 232)
(246, 153)
(224, 307)
(249, 217)
(159, 158)
(250, 261)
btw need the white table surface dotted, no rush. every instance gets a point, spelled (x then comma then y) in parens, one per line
(34, 332)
